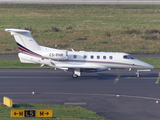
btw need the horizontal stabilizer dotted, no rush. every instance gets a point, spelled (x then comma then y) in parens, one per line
(17, 30)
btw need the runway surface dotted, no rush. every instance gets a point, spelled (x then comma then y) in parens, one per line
(115, 94)
(81, 1)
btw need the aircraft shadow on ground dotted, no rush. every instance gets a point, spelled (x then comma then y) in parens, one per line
(104, 76)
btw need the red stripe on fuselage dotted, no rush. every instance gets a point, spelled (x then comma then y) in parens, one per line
(22, 49)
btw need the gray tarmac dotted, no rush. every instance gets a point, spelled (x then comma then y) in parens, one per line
(115, 94)
(81, 1)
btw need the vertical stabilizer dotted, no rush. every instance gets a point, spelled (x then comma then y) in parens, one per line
(24, 40)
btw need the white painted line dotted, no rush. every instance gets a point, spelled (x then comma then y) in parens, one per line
(84, 103)
(109, 95)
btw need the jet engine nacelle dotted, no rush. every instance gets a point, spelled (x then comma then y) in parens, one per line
(56, 54)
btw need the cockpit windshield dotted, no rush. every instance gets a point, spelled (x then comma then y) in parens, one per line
(128, 57)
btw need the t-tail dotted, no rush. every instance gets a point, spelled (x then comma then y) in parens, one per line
(26, 44)
(24, 40)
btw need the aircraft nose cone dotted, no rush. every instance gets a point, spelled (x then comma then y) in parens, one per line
(144, 65)
(149, 66)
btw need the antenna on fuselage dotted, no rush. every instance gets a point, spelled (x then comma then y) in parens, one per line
(72, 49)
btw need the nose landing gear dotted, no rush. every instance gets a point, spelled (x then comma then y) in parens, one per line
(138, 74)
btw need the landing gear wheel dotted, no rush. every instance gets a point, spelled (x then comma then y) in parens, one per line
(74, 75)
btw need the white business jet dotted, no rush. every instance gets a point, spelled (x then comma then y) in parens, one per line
(75, 61)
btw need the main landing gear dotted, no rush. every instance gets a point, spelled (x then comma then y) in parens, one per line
(76, 73)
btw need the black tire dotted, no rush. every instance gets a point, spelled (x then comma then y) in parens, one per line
(74, 75)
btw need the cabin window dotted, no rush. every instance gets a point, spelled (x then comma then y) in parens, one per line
(98, 57)
(92, 56)
(104, 57)
(74, 56)
(128, 57)
(110, 57)
(85, 56)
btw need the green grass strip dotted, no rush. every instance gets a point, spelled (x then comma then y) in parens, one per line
(110, 28)
(60, 112)
(153, 61)
(15, 63)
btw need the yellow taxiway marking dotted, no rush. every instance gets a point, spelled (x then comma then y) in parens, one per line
(157, 81)
(117, 78)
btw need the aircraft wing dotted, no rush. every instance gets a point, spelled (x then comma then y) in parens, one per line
(74, 67)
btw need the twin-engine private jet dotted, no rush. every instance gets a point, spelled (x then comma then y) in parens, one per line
(75, 61)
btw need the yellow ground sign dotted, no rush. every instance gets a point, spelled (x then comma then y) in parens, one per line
(31, 113)
(17, 113)
(43, 113)
(7, 101)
